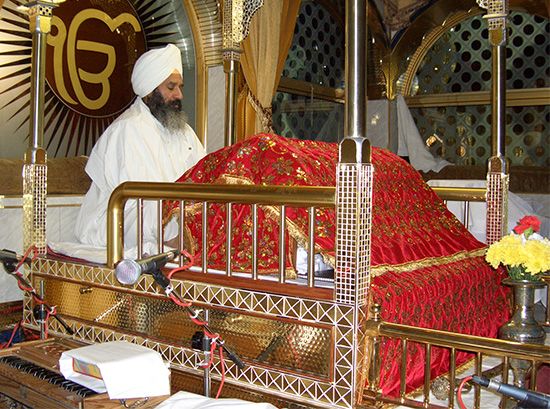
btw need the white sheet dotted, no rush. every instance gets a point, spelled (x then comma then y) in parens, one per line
(410, 142)
(517, 208)
(187, 400)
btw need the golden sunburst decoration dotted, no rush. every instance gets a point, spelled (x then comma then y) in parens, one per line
(90, 53)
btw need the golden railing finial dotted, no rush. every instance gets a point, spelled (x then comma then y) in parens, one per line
(497, 11)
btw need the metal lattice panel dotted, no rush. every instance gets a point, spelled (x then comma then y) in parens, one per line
(321, 312)
(465, 133)
(316, 56)
(460, 60)
(287, 345)
(252, 377)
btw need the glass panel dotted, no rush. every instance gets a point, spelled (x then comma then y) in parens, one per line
(296, 116)
(317, 51)
(462, 135)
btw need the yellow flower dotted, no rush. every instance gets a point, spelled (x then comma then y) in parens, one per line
(525, 255)
(538, 260)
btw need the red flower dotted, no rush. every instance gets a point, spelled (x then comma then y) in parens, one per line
(527, 222)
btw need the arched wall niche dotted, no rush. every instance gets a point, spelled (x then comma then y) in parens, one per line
(427, 28)
(455, 114)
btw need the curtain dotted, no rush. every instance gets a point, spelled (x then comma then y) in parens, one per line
(264, 53)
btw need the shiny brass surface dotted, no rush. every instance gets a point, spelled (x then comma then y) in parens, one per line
(497, 199)
(231, 69)
(315, 320)
(304, 88)
(473, 194)
(282, 344)
(35, 176)
(355, 106)
(514, 97)
(462, 342)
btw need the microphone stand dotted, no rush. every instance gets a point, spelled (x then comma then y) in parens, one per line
(164, 282)
(206, 344)
(39, 311)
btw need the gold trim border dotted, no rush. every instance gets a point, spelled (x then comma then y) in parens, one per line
(514, 97)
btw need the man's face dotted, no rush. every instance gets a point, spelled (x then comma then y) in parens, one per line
(172, 88)
(165, 103)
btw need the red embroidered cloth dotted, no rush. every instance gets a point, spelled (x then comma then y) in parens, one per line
(428, 270)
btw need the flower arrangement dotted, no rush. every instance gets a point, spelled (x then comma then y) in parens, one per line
(524, 252)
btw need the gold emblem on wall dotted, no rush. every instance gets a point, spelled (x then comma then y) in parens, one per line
(90, 54)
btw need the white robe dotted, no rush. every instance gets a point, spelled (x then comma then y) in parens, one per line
(135, 147)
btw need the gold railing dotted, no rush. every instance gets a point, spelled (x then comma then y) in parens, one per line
(282, 196)
(481, 347)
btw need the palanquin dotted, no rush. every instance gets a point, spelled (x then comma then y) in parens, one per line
(397, 255)
(386, 324)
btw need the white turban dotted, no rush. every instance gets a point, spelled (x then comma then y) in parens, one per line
(154, 67)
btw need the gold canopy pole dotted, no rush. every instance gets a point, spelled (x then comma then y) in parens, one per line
(353, 215)
(497, 176)
(35, 167)
(236, 21)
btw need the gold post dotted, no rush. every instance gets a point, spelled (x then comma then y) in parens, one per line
(35, 167)
(354, 176)
(497, 176)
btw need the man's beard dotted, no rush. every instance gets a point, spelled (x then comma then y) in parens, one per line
(169, 114)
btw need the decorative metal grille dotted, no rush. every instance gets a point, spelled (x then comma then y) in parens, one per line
(460, 61)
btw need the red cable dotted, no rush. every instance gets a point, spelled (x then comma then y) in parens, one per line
(189, 264)
(459, 392)
(31, 290)
(214, 337)
(7, 345)
(222, 372)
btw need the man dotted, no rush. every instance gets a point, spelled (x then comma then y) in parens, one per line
(151, 141)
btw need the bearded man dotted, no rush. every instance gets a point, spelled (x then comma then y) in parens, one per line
(150, 142)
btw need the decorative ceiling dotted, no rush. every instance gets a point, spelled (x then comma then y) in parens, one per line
(396, 14)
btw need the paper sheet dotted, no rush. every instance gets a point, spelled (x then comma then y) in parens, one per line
(122, 369)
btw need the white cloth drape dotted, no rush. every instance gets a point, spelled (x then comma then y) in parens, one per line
(410, 142)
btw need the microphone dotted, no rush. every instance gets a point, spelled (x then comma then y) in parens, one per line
(128, 271)
(525, 398)
(10, 259)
